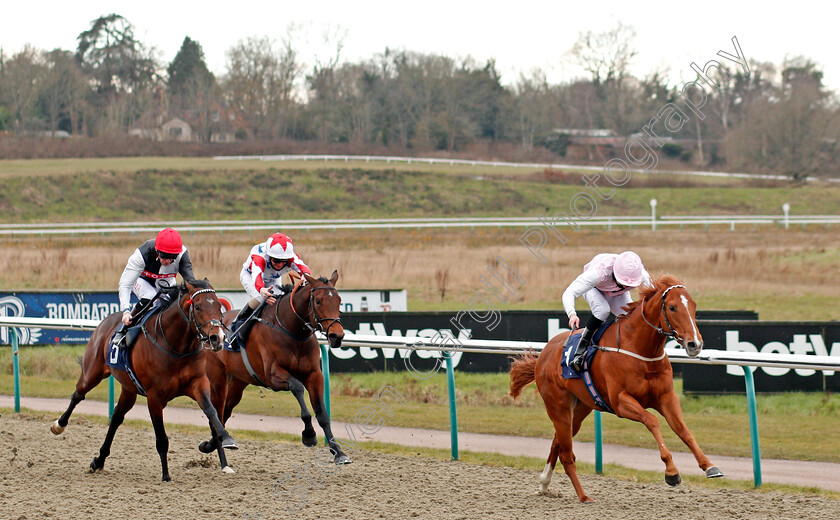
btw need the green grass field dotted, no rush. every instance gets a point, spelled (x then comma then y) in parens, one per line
(81, 190)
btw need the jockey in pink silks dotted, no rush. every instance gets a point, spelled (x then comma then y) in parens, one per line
(605, 284)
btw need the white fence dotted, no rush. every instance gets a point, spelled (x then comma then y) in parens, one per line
(222, 226)
(493, 164)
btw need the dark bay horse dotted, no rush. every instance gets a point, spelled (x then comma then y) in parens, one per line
(283, 354)
(167, 363)
(632, 373)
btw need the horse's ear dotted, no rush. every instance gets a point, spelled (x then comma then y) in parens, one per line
(334, 278)
(308, 278)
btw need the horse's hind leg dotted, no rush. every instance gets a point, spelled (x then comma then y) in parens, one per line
(561, 413)
(126, 401)
(669, 407)
(548, 471)
(161, 440)
(308, 436)
(93, 372)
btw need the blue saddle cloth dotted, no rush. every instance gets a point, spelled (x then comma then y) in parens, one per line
(120, 358)
(569, 373)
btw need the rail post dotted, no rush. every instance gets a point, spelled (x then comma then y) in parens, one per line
(599, 445)
(756, 451)
(110, 396)
(16, 369)
(453, 412)
(325, 368)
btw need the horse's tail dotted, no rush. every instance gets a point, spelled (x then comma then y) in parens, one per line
(522, 373)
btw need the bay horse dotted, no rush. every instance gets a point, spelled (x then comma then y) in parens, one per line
(630, 371)
(282, 353)
(166, 363)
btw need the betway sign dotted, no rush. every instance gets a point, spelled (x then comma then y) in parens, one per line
(819, 339)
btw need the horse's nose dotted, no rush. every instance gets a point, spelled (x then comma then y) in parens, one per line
(335, 339)
(215, 341)
(693, 347)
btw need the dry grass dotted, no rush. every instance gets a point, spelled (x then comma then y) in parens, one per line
(781, 274)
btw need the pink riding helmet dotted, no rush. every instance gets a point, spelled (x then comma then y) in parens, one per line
(628, 269)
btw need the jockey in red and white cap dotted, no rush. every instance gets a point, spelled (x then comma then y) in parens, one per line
(151, 265)
(605, 284)
(266, 264)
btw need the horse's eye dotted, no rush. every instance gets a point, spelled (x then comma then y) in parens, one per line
(317, 301)
(672, 308)
(198, 308)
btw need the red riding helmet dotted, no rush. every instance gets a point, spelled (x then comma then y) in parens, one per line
(279, 246)
(169, 241)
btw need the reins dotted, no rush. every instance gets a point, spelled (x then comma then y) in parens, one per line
(672, 334)
(203, 339)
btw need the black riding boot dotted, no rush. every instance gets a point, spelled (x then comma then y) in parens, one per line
(583, 345)
(119, 337)
(242, 317)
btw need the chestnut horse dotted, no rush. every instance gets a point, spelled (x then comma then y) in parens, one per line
(282, 353)
(631, 372)
(166, 362)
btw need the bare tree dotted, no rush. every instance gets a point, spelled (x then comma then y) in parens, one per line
(19, 84)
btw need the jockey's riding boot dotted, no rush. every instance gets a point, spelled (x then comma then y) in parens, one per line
(136, 313)
(585, 340)
(242, 317)
(119, 336)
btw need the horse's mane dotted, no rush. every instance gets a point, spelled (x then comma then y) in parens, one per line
(177, 291)
(646, 291)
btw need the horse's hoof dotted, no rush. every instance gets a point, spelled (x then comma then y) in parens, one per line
(587, 500)
(673, 480)
(309, 440)
(166, 478)
(342, 459)
(228, 470)
(96, 466)
(207, 447)
(56, 428)
(714, 472)
(229, 444)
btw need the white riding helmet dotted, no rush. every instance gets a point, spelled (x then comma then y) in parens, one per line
(279, 246)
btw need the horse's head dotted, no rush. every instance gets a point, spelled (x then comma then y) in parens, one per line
(324, 308)
(204, 312)
(677, 314)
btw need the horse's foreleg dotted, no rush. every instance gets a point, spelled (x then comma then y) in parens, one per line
(629, 408)
(161, 441)
(669, 407)
(315, 387)
(281, 379)
(307, 436)
(125, 403)
(200, 392)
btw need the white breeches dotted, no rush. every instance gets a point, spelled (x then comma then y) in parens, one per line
(602, 306)
(143, 289)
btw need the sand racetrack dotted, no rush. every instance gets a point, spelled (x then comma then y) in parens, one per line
(46, 476)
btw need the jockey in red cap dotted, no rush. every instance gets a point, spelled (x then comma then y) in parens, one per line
(266, 264)
(605, 284)
(152, 265)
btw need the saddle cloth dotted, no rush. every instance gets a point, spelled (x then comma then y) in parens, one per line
(569, 373)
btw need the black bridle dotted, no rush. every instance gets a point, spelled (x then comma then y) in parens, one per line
(203, 339)
(318, 321)
(673, 333)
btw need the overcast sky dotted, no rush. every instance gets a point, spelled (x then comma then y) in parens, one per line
(520, 35)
